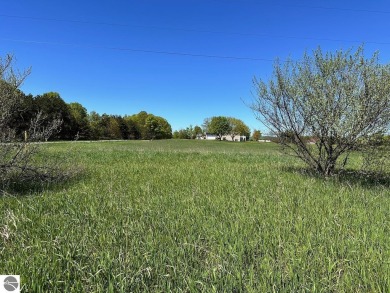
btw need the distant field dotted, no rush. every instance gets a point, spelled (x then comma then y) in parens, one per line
(195, 216)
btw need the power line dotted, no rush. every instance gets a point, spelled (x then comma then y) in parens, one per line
(66, 20)
(138, 50)
(337, 8)
(195, 30)
(310, 7)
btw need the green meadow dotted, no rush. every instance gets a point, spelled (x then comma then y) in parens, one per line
(195, 216)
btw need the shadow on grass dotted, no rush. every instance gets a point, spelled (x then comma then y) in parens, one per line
(350, 177)
(39, 182)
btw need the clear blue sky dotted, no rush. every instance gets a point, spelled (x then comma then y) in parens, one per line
(105, 54)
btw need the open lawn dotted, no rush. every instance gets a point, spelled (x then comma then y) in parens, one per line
(195, 216)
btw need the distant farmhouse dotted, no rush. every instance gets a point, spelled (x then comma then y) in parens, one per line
(210, 136)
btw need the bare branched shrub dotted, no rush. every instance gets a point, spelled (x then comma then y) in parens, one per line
(18, 152)
(334, 100)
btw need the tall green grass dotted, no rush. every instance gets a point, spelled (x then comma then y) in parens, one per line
(195, 216)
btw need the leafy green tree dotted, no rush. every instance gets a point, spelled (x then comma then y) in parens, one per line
(198, 131)
(123, 127)
(148, 126)
(181, 134)
(157, 127)
(152, 127)
(140, 120)
(95, 125)
(337, 98)
(176, 134)
(52, 106)
(21, 118)
(113, 130)
(79, 120)
(256, 135)
(185, 133)
(105, 126)
(190, 132)
(220, 126)
(166, 129)
(238, 127)
(133, 128)
(109, 126)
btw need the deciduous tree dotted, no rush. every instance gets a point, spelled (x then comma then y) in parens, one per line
(256, 135)
(219, 125)
(79, 120)
(54, 107)
(198, 130)
(238, 127)
(336, 98)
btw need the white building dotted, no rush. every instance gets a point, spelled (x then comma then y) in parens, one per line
(237, 137)
(234, 138)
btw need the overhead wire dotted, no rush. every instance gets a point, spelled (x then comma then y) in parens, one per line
(138, 50)
(192, 30)
(306, 6)
(188, 30)
(339, 8)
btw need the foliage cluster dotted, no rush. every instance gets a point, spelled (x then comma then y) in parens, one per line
(18, 110)
(218, 125)
(76, 122)
(138, 126)
(188, 133)
(256, 135)
(222, 125)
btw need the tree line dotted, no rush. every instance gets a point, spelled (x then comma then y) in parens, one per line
(76, 122)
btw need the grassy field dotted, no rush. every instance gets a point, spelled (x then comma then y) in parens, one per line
(195, 216)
